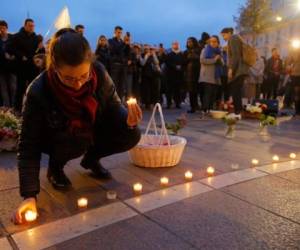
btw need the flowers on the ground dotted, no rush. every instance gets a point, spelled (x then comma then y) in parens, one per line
(267, 120)
(257, 108)
(231, 119)
(9, 125)
(180, 123)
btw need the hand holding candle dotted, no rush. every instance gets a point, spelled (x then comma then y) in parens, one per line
(134, 113)
(27, 211)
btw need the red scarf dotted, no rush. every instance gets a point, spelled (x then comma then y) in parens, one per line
(79, 106)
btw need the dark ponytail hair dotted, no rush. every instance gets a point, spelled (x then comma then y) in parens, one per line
(67, 47)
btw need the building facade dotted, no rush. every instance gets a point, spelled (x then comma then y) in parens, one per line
(281, 34)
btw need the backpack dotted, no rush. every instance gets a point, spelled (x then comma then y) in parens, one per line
(248, 53)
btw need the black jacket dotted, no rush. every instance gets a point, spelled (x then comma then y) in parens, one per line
(175, 63)
(103, 56)
(6, 65)
(192, 66)
(43, 120)
(119, 51)
(24, 44)
(269, 67)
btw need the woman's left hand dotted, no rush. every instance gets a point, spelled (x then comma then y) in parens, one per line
(135, 115)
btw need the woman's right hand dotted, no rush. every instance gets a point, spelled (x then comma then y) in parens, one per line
(27, 204)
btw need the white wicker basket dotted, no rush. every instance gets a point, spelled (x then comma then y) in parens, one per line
(157, 150)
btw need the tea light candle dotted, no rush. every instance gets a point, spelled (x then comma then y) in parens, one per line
(293, 155)
(82, 202)
(188, 176)
(137, 188)
(131, 101)
(164, 181)
(111, 195)
(255, 162)
(210, 171)
(275, 158)
(30, 216)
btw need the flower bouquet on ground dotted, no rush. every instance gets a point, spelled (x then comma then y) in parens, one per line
(9, 130)
(254, 111)
(173, 128)
(231, 120)
(265, 121)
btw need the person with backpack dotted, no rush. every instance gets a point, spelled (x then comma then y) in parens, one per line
(238, 66)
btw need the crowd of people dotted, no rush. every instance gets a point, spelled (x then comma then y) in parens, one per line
(205, 74)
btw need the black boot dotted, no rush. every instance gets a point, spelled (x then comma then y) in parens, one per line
(98, 170)
(57, 178)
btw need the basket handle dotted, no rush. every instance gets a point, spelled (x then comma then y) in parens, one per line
(152, 122)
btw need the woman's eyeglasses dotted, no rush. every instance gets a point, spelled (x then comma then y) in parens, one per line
(73, 80)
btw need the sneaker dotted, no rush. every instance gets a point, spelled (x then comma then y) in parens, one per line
(58, 179)
(98, 170)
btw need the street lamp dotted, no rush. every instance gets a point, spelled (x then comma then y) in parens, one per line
(278, 18)
(298, 4)
(296, 44)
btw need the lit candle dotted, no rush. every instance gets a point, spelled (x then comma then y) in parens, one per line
(210, 171)
(111, 195)
(293, 155)
(255, 162)
(275, 158)
(82, 202)
(188, 176)
(137, 188)
(30, 216)
(131, 101)
(164, 181)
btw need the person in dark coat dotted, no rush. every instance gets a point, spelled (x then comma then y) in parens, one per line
(202, 43)
(150, 77)
(8, 80)
(174, 63)
(273, 70)
(71, 109)
(102, 52)
(192, 70)
(119, 53)
(238, 70)
(24, 44)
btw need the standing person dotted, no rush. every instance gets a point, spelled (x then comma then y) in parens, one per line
(150, 77)
(255, 79)
(211, 72)
(8, 80)
(202, 43)
(191, 76)
(274, 69)
(223, 92)
(136, 72)
(24, 44)
(237, 68)
(162, 55)
(293, 63)
(174, 63)
(70, 110)
(79, 28)
(119, 53)
(102, 52)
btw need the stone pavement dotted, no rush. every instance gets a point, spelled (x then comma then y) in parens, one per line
(240, 208)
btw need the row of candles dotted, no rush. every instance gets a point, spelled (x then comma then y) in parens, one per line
(82, 202)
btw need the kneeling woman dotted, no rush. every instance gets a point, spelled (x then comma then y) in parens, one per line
(70, 110)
